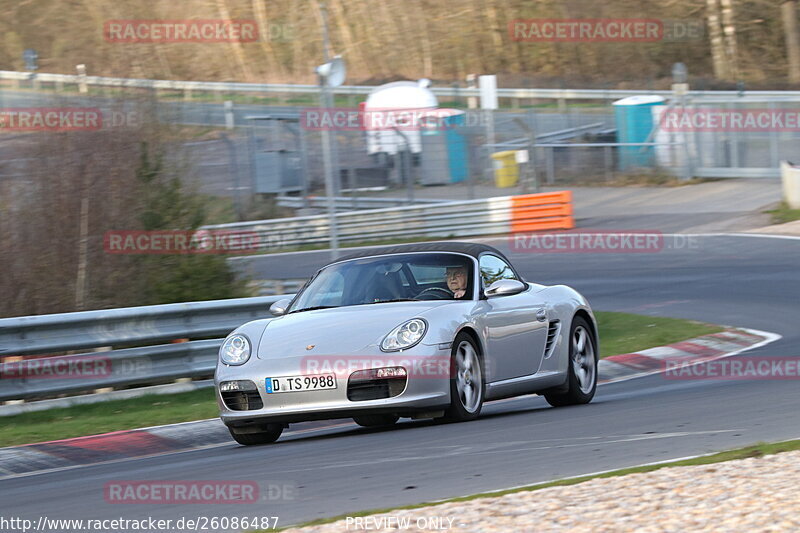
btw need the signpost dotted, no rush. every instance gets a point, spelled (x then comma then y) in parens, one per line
(680, 88)
(331, 74)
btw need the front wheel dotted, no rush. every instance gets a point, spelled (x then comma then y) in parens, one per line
(466, 384)
(582, 367)
(268, 434)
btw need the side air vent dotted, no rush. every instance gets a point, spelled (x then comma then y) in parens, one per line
(552, 334)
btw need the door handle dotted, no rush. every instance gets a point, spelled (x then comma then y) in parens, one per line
(541, 314)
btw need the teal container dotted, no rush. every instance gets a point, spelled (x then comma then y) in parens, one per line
(634, 118)
(457, 154)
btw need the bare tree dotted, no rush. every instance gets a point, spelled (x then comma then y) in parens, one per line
(718, 53)
(792, 36)
(729, 34)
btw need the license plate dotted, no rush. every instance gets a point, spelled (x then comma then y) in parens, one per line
(300, 383)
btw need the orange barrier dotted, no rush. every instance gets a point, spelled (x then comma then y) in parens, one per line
(544, 211)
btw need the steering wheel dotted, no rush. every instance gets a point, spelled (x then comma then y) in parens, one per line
(435, 293)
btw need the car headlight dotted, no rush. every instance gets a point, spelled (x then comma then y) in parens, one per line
(235, 350)
(405, 335)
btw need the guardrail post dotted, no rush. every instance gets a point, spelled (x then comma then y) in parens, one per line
(551, 170)
(229, 118)
(773, 141)
(82, 86)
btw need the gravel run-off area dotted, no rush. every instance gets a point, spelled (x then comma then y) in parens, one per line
(755, 494)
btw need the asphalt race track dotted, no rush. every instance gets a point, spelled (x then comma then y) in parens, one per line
(744, 281)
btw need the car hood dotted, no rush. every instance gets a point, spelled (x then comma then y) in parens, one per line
(337, 331)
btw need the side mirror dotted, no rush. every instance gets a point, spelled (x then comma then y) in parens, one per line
(505, 287)
(279, 308)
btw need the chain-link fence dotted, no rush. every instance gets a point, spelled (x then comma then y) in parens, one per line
(259, 146)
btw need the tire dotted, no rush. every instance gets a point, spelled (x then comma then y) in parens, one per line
(467, 385)
(375, 421)
(271, 433)
(582, 367)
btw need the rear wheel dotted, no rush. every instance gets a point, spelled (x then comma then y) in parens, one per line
(582, 367)
(467, 384)
(374, 421)
(266, 435)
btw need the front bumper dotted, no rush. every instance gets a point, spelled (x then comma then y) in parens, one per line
(427, 386)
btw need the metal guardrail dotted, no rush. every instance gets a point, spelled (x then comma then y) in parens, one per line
(344, 202)
(129, 342)
(513, 93)
(272, 287)
(446, 219)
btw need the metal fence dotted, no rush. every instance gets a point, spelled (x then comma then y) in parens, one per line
(519, 95)
(266, 151)
(117, 347)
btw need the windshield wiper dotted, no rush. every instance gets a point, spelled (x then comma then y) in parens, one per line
(312, 308)
(395, 300)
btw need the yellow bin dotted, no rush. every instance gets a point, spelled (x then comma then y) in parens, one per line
(506, 171)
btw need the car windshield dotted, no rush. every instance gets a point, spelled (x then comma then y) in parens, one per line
(391, 278)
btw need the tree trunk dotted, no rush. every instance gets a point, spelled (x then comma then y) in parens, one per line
(729, 33)
(792, 36)
(718, 56)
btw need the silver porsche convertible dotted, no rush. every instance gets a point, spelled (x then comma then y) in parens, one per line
(429, 330)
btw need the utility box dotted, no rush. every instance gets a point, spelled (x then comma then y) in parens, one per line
(278, 151)
(278, 172)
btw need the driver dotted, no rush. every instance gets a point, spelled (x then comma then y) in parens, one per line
(456, 278)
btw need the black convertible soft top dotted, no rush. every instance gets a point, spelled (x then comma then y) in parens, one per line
(468, 248)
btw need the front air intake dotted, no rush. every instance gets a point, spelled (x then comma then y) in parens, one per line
(367, 385)
(240, 395)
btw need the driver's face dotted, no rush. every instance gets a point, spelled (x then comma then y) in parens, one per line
(456, 279)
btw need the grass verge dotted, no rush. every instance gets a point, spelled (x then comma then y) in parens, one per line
(103, 417)
(619, 333)
(756, 450)
(783, 213)
(627, 333)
